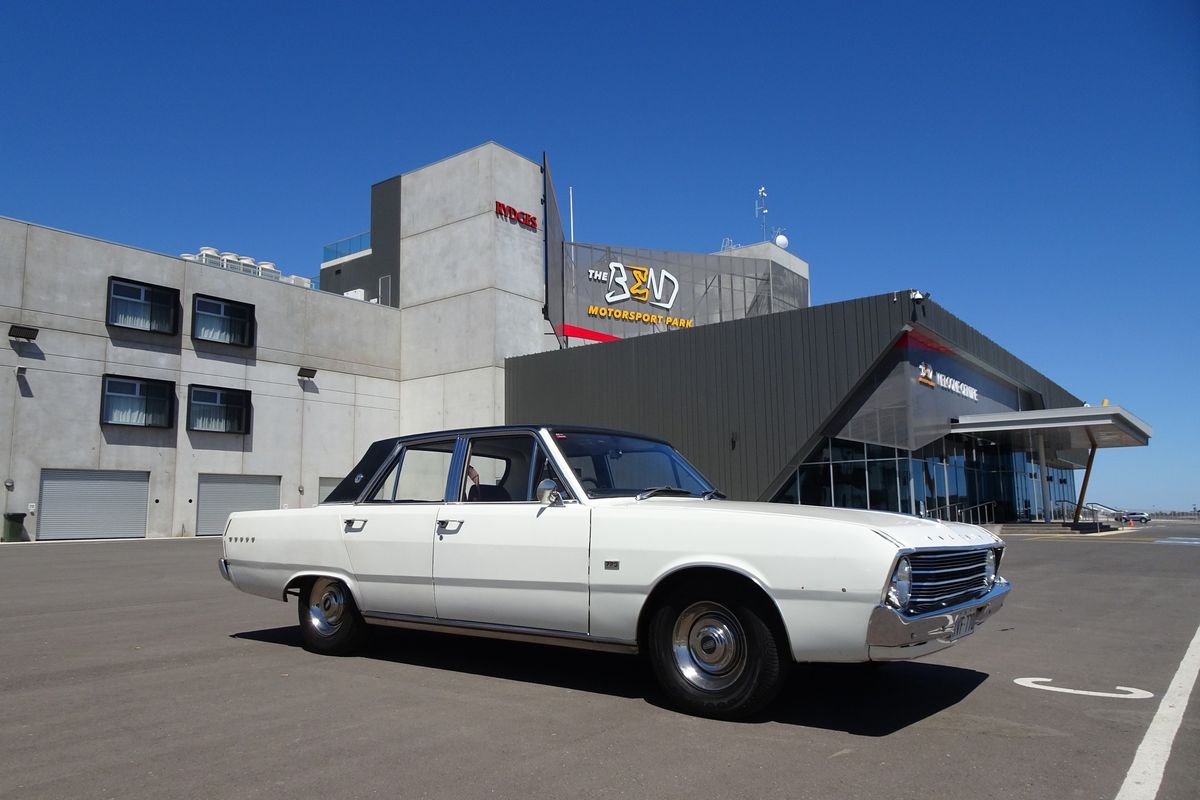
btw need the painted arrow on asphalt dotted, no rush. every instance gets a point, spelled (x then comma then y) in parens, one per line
(1126, 692)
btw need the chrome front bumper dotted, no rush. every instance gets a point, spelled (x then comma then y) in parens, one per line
(892, 636)
(223, 566)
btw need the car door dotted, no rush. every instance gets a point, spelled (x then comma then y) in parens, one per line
(500, 556)
(389, 535)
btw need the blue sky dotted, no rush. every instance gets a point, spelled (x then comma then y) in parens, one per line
(1035, 165)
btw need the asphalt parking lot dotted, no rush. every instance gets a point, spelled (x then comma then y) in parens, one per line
(130, 669)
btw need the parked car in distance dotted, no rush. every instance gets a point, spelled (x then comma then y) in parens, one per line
(1133, 516)
(612, 541)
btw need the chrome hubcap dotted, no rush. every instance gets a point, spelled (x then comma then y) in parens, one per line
(709, 646)
(326, 606)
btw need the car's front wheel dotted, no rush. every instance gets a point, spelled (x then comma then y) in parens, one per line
(716, 654)
(329, 620)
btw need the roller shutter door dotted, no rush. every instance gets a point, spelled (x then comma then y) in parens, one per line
(92, 504)
(221, 495)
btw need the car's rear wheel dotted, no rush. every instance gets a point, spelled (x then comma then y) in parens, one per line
(329, 619)
(716, 654)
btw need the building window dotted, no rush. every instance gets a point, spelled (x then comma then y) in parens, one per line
(142, 306)
(139, 402)
(220, 410)
(217, 320)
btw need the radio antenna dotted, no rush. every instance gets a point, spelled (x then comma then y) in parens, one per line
(760, 210)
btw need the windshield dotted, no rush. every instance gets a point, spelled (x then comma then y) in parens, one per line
(609, 465)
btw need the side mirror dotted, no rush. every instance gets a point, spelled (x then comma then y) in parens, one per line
(548, 494)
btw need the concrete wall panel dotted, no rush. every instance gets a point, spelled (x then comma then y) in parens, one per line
(273, 450)
(377, 393)
(469, 399)
(519, 252)
(350, 336)
(520, 329)
(13, 500)
(55, 424)
(371, 425)
(448, 335)
(422, 405)
(446, 192)
(451, 260)
(212, 369)
(517, 181)
(67, 275)
(12, 263)
(328, 443)
(162, 363)
(518, 260)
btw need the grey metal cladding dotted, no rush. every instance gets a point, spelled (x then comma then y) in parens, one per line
(742, 398)
(366, 271)
(385, 227)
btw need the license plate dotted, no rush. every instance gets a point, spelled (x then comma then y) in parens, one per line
(963, 626)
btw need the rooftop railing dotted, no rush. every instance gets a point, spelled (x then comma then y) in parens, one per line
(347, 246)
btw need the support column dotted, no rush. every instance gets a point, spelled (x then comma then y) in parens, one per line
(1046, 511)
(1087, 475)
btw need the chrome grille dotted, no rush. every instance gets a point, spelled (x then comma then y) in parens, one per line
(946, 578)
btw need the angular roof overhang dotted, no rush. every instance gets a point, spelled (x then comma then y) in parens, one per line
(1063, 428)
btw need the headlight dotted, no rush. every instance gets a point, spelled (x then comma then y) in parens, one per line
(901, 586)
(989, 575)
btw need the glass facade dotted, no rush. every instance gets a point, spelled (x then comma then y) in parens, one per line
(892, 448)
(956, 477)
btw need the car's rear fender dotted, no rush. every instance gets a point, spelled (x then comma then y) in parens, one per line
(269, 552)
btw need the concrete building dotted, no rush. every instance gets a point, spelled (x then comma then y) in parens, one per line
(101, 430)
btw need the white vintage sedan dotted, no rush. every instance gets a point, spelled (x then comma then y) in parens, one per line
(612, 541)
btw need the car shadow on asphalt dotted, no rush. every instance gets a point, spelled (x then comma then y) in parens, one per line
(860, 699)
(876, 699)
(585, 671)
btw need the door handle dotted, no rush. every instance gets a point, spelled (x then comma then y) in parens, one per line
(355, 524)
(444, 526)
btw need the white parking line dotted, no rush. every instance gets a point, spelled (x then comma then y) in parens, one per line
(1177, 540)
(1146, 772)
(1125, 692)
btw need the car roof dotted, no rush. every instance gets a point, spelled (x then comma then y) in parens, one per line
(530, 427)
(349, 490)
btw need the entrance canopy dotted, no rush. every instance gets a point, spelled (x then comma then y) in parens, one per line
(1064, 429)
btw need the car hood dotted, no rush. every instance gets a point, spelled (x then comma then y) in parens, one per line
(903, 529)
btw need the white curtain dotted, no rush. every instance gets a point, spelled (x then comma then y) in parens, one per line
(131, 313)
(126, 410)
(209, 417)
(216, 328)
(123, 409)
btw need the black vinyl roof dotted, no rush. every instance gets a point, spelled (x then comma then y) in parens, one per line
(351, 487)
(501, 429)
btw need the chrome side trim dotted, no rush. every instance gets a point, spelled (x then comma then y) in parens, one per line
(581, 641)
(527, 586)
(889, 628)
